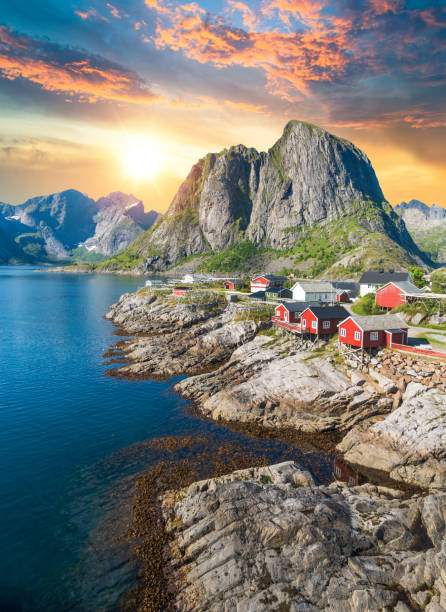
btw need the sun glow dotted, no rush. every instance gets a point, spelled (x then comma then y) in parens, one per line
(141, 158)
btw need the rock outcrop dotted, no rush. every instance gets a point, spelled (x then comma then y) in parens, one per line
(308, 179)
(266, 385)
(174, 338)
(409, 444)
(269, 539)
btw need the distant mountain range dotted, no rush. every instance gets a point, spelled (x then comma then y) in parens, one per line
(311, 204)
(70, 226)
(427, 225)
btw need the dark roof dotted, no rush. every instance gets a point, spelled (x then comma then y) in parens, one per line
(295, 306)
(406, 287)
(376, 277)
(257, 294)
(279, 290)
(179, 287)
(329, 312)
(350, 286)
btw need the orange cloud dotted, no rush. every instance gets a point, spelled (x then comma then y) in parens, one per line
(250, 18)
(90, 14)
(70, 72)
(290, 60)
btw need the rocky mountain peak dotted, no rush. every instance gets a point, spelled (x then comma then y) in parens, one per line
(308, 176)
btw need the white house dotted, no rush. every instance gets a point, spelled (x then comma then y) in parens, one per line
(152, 282)
(314, 291)
(372, 280)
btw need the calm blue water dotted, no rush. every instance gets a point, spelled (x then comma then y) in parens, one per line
(68, 437)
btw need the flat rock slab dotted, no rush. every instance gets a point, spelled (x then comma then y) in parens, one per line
(270, 539)
(300, 390)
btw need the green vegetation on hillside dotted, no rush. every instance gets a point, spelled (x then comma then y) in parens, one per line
(432, 241)
(234, 258)
(126, 261)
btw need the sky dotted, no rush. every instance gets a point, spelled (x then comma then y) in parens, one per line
(127, 95)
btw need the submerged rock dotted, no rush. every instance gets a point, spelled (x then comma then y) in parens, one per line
(270, 539)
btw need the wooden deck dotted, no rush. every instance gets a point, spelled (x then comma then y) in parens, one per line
(292, 327)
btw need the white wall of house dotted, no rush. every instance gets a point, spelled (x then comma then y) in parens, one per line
(301, 295)
(364, 289)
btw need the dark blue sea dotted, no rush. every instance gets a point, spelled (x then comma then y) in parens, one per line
(72, 441)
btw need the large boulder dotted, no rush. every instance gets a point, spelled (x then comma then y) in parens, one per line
(409, 444)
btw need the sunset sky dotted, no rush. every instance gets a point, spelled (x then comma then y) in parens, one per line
(104, 96)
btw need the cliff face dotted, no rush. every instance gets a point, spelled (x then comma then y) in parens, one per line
(69, 225)
(308, 177)
(120, 218)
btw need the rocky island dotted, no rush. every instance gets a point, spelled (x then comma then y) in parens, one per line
(273, 538)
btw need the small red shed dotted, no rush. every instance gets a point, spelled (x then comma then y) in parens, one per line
(395, 293)
(322, 320)
(232, 284)
(372, 331)
(342, 296)
(182, 291)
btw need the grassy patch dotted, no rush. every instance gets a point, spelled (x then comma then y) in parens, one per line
(366, 306)
(232, 259)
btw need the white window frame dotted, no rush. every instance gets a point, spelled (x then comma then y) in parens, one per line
(313, 324)
(343, 332)
(357, 335)
(374, 336)
(304, 323)
(326, 324)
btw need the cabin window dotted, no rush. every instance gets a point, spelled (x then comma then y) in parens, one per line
(357, 335)
(374, 335)
(343, 332)
(314, 324)
(326, 324)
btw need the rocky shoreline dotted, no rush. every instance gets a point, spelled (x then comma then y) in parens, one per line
(258, 540)
(240, 370)
(269, 539)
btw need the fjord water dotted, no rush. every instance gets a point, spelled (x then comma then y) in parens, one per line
(69, 438)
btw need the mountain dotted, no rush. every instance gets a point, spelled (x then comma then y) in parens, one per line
(309, 203)
(427, 225)
(70, 226)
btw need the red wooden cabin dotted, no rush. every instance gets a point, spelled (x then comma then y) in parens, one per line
(372, 331)
(182, 291)
(290, 311)
(342, 296)
(395, 293)
(261, 283)
(322, 320)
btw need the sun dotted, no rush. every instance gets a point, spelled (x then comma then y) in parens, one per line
(141, 158)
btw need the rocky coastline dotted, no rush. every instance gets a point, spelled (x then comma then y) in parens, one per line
(274, 539)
